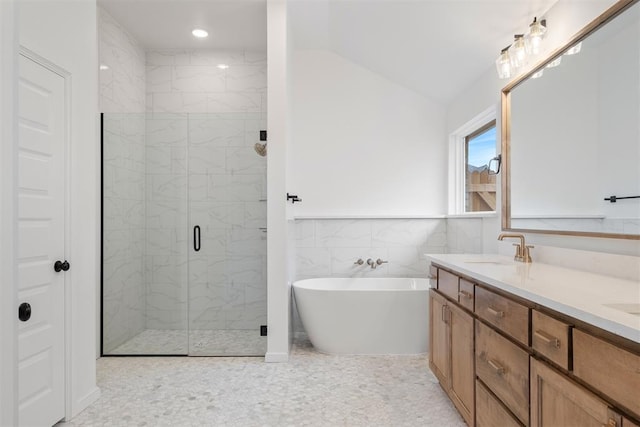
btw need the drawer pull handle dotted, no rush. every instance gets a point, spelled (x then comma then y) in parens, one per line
(465, 294)
(547, 339)
(499, 369)
(496, 313)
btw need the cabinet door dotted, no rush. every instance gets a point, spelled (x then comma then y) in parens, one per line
(462, 362)
(439, 338)
(558, 401)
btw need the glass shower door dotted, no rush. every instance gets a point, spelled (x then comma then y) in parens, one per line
(227, 257)
(144, 283)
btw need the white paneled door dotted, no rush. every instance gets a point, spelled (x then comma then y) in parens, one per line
(41, 237)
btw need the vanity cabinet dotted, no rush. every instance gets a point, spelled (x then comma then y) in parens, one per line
(451, 355)
(551, 338)
(558, 401)
(504, 368)
(506, 361)
(608, 368)
(490, 412)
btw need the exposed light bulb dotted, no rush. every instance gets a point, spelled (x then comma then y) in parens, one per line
(503, 64)
(199, 33)
(574, 49)
(223, 66)
(104, 67)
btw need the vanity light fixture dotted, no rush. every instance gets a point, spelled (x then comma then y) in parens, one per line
(503, 64)
(223, 66)
(104, 67)
(518, 51)
(514, 57)
(537, 32)
(199, 33)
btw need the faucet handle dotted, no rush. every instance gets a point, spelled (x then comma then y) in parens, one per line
(360, 261)
(526, 254)
(380, 262)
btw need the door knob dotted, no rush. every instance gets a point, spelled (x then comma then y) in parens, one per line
(61, 266)
(24, 311)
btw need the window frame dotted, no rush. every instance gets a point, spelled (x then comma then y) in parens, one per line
(458, 162)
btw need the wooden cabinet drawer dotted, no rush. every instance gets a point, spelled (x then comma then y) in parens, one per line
(550, 337)
(608, 368)
(448, 284)
(504, 368)
(489, 412)
(466, 294)
(505, 314)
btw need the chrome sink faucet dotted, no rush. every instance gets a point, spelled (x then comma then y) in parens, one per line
(522, 250)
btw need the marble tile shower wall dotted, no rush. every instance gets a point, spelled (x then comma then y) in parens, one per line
(122, 71)
(201, 129)
(192, 81)
(123, 228)
(122, 99)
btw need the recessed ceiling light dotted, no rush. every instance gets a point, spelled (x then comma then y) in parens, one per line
(199, 33)
(104, 67)
(223, 66)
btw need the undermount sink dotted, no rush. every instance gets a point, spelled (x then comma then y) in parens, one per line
(633, 308)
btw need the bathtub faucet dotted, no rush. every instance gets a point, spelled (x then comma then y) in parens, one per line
(371, 263)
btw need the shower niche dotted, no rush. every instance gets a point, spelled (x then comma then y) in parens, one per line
(184, 234)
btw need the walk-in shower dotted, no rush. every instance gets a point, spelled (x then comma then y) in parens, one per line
(184, 234)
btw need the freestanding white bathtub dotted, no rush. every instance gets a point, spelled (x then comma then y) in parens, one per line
(365, 315)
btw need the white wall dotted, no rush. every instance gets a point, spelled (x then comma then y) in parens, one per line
(64, 32)
(8, 203)
(565, 19)
(363, 145)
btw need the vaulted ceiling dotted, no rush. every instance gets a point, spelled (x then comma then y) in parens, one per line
(434, 47)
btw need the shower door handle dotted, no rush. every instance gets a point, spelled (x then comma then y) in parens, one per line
(196, 238)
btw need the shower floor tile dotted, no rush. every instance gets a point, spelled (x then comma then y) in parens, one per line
(234, 342)
(312, 389)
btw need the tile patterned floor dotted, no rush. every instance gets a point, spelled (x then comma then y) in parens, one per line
(313, 389)
(234, 342)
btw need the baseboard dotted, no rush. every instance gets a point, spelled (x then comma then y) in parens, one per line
(276, 357)
(84, 402)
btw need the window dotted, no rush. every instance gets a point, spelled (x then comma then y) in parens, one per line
(479, 185)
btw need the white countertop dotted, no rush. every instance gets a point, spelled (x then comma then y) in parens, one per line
(582, 295)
